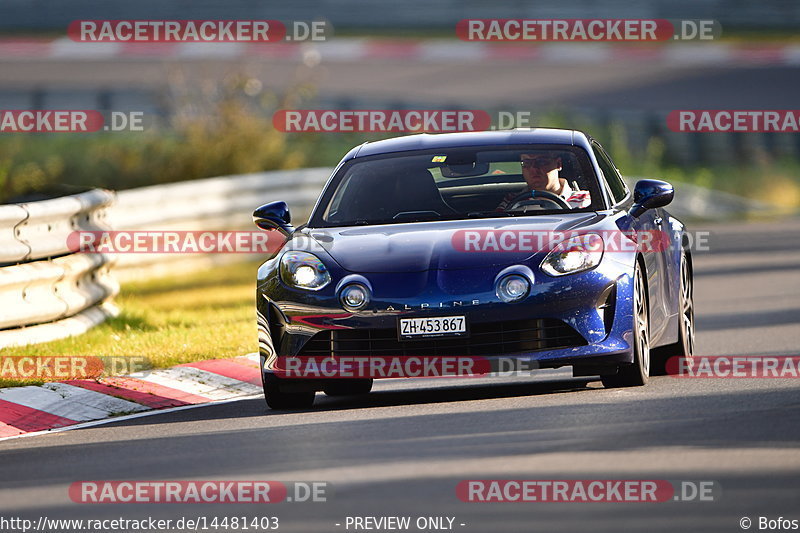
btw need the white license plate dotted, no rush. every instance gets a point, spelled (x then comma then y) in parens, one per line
(434, 326)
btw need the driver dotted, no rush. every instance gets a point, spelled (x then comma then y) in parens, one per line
(540, 171)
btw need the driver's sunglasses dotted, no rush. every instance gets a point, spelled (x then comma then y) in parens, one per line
(539, 162)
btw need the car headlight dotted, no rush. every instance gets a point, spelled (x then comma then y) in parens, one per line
(579, 253)
(354, 296)
(304, 270)
(513, 287)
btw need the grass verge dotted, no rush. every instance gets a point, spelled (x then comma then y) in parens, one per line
(169, 321)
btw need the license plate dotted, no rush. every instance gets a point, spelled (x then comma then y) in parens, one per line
(434, 326)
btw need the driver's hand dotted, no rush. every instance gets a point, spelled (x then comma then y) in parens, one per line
(506, 203)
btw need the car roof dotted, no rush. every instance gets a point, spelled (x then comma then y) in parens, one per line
(427, 141)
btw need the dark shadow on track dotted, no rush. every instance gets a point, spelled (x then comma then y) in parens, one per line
(615, 420)
(457, 392)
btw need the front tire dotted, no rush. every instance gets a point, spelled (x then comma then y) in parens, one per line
(277, 399)
(637, 373)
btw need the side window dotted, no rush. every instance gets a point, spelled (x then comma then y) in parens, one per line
(614, 180)
(341, 192)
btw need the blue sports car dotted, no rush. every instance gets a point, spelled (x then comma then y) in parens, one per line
(524, 246)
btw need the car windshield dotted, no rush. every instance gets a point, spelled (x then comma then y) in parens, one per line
(459, 183)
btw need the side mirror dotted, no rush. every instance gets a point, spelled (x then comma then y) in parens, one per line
(649, 194)
(274, 215)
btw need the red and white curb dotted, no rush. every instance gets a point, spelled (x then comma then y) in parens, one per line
(60, 404)
(425, 51)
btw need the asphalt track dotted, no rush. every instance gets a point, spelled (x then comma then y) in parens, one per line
(402, 450)
(511, 84)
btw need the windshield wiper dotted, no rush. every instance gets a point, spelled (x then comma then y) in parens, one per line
(417, 216)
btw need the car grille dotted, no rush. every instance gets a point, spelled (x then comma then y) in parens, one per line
(486, 339)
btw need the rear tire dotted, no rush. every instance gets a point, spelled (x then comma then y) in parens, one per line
(637, 373)
(348, 387)
(276, 399)
(684, 348)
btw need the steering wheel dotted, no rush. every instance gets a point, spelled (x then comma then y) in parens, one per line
(536, 198)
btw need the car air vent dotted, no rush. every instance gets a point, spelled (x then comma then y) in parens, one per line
(486, 339)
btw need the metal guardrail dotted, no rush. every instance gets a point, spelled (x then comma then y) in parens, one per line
(47, 292)
(11, 248)
(224, 203)
(228, 200)
(48, 223)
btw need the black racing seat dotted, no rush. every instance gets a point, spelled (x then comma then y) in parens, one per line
(416, 190)
(373, 196)
(366, 197)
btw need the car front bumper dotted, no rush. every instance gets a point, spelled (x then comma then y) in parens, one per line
(582, 320)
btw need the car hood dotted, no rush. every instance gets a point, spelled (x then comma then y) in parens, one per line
(421, 246)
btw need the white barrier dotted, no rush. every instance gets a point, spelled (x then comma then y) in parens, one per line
(49, 223)
(227, 200)
(50, 292)
(67, 327)
(11, 248)
(225, 203)
(47, 292)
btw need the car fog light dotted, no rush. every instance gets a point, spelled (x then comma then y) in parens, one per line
(354, 296)
(512, 288)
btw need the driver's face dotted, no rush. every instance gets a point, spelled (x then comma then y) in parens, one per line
(541, 171)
